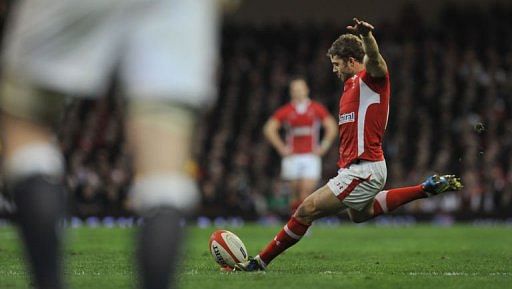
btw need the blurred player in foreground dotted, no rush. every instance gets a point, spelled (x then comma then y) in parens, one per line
(163, 52)
(364, 108)
(301, 151)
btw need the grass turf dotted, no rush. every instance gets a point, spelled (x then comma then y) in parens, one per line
(346, 256)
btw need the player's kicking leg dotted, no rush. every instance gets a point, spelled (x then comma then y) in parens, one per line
(319, 204)
(33, 167)
(389, 200)
(324, 202)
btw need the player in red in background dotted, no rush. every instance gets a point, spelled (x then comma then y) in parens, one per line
(301, 150)
(364, 107)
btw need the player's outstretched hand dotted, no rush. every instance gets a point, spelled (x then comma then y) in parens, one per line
(360, 27)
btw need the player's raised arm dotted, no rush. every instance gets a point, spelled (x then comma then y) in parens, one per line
(373, 60)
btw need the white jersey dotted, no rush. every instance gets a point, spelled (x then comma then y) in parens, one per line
(164, 49)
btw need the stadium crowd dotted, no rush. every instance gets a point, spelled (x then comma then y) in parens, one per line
(451, 112)
(451, 108)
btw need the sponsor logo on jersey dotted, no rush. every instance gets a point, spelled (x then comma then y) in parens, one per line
(347, 117)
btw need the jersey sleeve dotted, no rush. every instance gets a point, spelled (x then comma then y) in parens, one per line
(321, 111)
(280, 114)
(377, 84)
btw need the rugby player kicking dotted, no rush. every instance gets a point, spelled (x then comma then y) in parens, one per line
(363, 115)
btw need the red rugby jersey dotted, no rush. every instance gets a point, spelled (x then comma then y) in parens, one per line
(302, 124)
(363, 117)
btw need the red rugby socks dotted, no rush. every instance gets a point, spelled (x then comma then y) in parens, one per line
(293, 231)
(387, 201)
(287, 237)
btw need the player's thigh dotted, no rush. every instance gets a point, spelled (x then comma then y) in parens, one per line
(172, 52)
(29, 143)
(362, 195)
(25, 100)
(160, 135)
(320, 203)
(360, 200)
(18, 133)
(29, 115)
(358, 216)
(358, 184)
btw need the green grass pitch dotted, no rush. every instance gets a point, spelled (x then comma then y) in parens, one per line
(346, 256)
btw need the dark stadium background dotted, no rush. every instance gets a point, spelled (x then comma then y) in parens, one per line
(451, 108)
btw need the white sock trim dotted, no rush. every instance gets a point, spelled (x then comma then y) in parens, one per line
(258, 259)
(175, 190)
(381, 199)
(34, 159)
(290, 233)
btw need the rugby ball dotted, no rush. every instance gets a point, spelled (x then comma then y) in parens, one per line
(227, 249)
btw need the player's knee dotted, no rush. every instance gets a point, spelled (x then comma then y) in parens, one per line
(307, 211)
(43, 159)
(33, 175)
(177, 191)
(303, 213)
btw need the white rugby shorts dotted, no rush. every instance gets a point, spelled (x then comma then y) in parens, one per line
(358, 184)
(301, 166)
(160, 49)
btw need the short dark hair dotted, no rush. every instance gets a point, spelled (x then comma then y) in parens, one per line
(347, 45)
